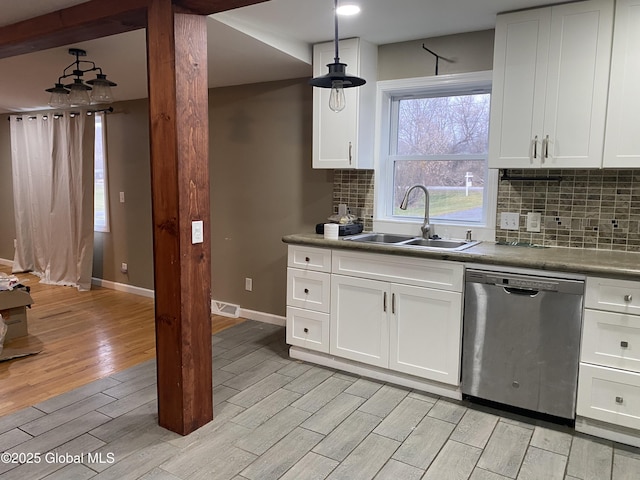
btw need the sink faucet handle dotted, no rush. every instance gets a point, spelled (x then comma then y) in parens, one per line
(468, 237)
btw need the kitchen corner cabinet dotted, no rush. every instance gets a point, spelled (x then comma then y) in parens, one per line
(345, 139)
(622, 142)
(550, 83)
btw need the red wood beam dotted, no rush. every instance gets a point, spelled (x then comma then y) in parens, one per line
(86, 21)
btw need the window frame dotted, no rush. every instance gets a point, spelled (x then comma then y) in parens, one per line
(387, 91)
(106, 228)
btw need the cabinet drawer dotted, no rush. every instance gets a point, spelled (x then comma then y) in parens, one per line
(420, 272)
(308, 289)
(614, 295)
(308, 329)
(309, 258)
(609, 395)
(611, 339)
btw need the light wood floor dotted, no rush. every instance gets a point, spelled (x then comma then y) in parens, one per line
(83, 336)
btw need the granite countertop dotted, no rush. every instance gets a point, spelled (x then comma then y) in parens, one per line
(606, 263)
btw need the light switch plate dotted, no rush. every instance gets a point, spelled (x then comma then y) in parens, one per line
(509, 221)
(197, 231)
(533, 221)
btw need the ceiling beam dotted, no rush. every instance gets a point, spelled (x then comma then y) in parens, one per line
(94, 19)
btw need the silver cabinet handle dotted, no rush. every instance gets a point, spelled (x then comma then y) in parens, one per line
(619, 400)
(350, 148)
(535, 147)
(624, 344)
(545, 146)
(628, 298)
(384, 302)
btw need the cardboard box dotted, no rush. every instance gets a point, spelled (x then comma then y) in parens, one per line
(13, 308)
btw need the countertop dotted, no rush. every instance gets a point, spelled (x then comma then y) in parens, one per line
(625, 265)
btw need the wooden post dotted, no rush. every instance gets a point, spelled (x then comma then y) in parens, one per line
(178, 115)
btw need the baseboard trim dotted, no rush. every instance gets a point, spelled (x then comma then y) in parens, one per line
(615, 433)
(123, 287)
(6, 262)
(263, 317)
(376, 373)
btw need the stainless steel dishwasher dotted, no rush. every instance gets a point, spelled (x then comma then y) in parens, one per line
(521, 340)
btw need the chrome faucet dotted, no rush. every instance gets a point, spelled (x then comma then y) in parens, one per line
(426, 228)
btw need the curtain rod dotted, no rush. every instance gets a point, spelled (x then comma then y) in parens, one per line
(71, 113)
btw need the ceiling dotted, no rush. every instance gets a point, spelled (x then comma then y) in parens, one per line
(264, 42)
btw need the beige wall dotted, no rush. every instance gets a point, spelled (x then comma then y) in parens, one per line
(262, 187)
(467, 52)
(7, 224)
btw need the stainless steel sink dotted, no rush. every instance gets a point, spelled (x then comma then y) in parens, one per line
(386, 238)
(392, 239)
(440, 243)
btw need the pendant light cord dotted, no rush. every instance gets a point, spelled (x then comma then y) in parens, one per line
(335, 40)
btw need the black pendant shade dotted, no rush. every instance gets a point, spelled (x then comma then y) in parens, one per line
(337, 72)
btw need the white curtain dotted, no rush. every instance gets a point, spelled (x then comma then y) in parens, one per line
(52, 164)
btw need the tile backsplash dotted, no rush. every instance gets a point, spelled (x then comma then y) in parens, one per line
(355, 189)
(586, 209)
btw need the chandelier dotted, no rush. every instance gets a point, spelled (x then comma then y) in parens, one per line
(77, 94)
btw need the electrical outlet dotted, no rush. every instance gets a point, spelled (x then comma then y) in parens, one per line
(121, 197)
(509, 221)
(248, 284)
(124, 268)
(533, 221)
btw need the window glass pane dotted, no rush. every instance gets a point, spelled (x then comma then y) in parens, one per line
(456, 188)
(443, 125)
(100, 206)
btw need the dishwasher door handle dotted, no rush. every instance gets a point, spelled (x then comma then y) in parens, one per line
(521, 291)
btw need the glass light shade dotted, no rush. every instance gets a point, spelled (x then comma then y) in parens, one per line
(101, 92)
(337, 101)
(59, 97)
(78, 93)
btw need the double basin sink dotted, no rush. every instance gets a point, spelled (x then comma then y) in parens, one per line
(392, 239)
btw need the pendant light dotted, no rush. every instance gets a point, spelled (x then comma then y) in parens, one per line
(337, 79)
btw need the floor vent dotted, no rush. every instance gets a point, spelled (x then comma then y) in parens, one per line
(225, 309)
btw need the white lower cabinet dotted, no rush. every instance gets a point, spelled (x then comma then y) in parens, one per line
(609, 378)
(425, 332)
(359, 326)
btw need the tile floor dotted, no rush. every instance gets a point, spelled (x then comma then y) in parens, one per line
(280, 418)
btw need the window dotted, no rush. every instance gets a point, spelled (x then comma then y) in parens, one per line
(100, 190)
(435, 132)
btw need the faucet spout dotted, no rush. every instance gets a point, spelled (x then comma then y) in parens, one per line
(426, 228)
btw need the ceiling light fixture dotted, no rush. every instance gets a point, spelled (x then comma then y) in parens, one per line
(348, 10)
(77, 93)
(337, 78)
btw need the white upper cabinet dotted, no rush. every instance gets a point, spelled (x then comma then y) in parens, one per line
(345, 139)
(622, 142)
(550, 82)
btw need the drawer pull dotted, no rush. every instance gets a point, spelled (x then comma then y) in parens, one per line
(307, 259)
(384, 302)
(619, 400)
(306, 290)
(305, 330)
(628, 298)
(624, 344)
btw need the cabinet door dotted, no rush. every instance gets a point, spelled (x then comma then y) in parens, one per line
(335, 133)
(359, 323)
(577, 85)
(519, 83)
(425, 333)
(622, 142)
